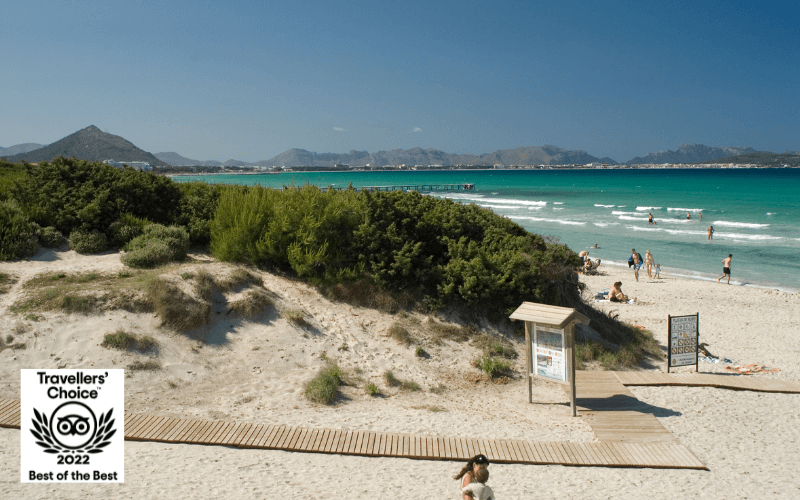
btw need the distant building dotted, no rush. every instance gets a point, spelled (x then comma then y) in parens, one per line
(137, 165)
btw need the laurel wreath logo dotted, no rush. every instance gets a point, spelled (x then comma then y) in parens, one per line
(101, 438)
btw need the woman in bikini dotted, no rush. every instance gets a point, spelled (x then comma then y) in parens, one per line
(648, 262)
(469, 472)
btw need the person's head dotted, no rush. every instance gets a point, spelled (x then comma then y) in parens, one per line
(474, 464)
(648, 251)
(481, 474)
(633, 250)
(730, 255)
(618, 284)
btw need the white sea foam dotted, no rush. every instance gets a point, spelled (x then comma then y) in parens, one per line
(770, 213)
(673, 221)
(558, 209)
(540, 219)
(487, 205)
(459, 196)
(647, 209)
(605, 206)
(686, 231)
(738, 224)
(511, 201)
(604, 224)
(740, 236)
(535, 208)
(670, 209)
(644, 228)
(620, 212)
(621, 206)
(558, 203)
(628, 217)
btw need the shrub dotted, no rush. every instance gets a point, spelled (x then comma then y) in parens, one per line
(88, 242)
(495, 347)
(371, 389)
(492, 366)
(420, 352)
(50, 237)
(390, 379)
(125, 229)
(325, 386)
(83, 304)
(17, 233)
(297, 317)
(198, 203)
(156, 246)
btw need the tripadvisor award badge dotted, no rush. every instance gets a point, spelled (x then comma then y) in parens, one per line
(72, 426)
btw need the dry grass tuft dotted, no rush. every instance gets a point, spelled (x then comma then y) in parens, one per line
(363, 293)
(401, 334)
(458, 333)
(252, 302)
(237, 278)
(297, 317)
(176, 309)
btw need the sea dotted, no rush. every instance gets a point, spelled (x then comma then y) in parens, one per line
(755, 212)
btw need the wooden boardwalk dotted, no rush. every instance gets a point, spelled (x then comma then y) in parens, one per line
(614, 413)
(139, 427)
(721, 381)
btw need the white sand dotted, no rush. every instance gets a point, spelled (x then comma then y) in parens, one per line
(748, 440)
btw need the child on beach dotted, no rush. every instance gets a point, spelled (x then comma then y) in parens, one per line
(478, 489)
(658, 271)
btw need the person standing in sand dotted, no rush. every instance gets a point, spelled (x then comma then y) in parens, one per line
(470, 472)
(648, 263)
(636, 258)
(726, 268)
(710, 232)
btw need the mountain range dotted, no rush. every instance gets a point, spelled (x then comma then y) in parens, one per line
(93, 144)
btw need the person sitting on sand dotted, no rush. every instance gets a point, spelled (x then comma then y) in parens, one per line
(468, 474)
(583, 255)
(616, 295)
(477, 489)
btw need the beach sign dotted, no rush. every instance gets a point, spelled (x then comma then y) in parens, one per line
(550, 344)
(683, 341)
(549, 347)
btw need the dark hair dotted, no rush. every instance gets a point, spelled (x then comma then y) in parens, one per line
(618, 283)
(476, 460)
(730, 255)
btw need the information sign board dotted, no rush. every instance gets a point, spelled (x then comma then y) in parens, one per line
(683, 338)
(549, 354)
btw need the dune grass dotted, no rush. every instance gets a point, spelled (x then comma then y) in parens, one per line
(324, 387)
(627, 356)
(125, 341)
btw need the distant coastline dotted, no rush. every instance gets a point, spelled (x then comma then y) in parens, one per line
(261, 171)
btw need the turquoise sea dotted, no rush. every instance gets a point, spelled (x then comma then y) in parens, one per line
(755, 212)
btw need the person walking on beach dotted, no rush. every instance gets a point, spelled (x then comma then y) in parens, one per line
(636, 258)
(470, 472)
(710, 232)
(726, 268)
(648, 263)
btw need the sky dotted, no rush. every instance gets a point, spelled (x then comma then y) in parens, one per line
(248, 80)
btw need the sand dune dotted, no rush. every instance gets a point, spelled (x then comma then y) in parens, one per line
(254, 370)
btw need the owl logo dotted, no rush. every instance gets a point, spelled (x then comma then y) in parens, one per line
(73, 427)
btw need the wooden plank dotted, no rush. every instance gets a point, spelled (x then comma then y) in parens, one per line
(381, 444)
(269, 440)
(573, 454)
(407, 445)
(319, 440)
(187, 431)
(168, 426)
(261, 433)
(285, 438)
(341, 440)
(533, 452)
(244, 429)
(177, 429)
(372, 442)
(436, 444)
(458, 452)
(507, 451)
(228, 437)
(353, 441)
(131, 420)
(197, 430)
(542, 452)
(333, 441)
(134, 429)
(144, 426)
(449, 446)
(311, 438)
(221, 431)
(519, 450)
(492, 452)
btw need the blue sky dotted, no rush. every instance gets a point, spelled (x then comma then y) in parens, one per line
(249, 80)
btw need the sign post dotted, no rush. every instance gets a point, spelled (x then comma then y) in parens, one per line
(683, 338)
(550, 344)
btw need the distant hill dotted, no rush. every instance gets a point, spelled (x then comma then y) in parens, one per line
(689, 153)
(765, 159)
(19, 148)
(532, 155)
(89, 144)
(177, 160)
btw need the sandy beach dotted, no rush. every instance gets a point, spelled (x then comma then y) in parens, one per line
(254, 370)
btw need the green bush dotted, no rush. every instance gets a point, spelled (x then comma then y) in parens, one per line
(50, 237)
(88, 242)
(371, 389)
(157, 246)
(17, 233)
(125, 229)
(73, 194)
(325, 386)
(198, 203)
(492, 366)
